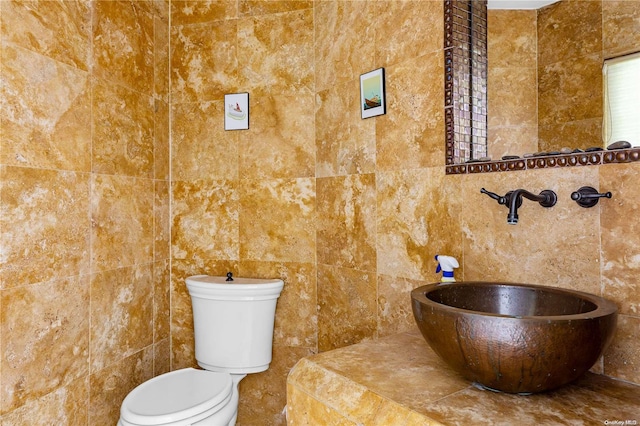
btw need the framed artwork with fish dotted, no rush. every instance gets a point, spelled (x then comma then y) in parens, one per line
(236, 111)
(372, 97)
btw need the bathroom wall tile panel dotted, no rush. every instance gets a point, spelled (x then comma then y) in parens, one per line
(568, 30)
(123, 131)
(346, 221)
(622, 359)
(201, 148)
(162, 144)
(621, 236)
(394, 304)
(572, 134)
(263, 396)
(122, 305)
(514, 140)
(198, 11)
(161, 220)
(161, 59)
(565, 90)
(261, 7)
(620, 27)
(46, 115)
(279, 143)
(205, 220)
(58, 30)
(342, 55)
(204, 61)
(121, 221)
(162, 357)
(123, 45)
(44, 223)
(161, 300)
(418, 218)
(410, 134)
(110, 385)
(48, 348)
(407, 29)
(346, 307)
(557, 246)
(182, 342)
(296, 320)
(345, 144)
(515, 91)
(275, 54)
(277, 220)
(66, 405)
(511, 38)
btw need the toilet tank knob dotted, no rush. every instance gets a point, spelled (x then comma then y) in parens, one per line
(229, 276)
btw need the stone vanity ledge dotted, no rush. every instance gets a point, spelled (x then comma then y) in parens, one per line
(398, 380)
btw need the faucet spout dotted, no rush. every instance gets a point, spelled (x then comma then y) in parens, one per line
(546, 198)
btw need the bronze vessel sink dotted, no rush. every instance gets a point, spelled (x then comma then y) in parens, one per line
(511, 337)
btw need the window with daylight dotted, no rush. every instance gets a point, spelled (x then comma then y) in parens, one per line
(621, 115)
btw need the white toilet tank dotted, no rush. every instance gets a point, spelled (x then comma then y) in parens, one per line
(233, 322)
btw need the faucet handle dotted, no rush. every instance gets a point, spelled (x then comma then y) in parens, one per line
(588, 196)
(498, 198)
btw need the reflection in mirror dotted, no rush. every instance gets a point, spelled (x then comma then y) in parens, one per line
(465, 51)
(545, 81)
(621, 121)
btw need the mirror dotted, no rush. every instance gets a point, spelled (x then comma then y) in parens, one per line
(544, 76)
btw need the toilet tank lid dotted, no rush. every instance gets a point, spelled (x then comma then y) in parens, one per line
(213, 287)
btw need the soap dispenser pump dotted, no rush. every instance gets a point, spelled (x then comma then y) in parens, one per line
(446, 264)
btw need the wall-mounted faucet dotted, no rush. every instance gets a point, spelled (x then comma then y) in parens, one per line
(513, 200)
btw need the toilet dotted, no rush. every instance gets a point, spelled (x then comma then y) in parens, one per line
(233, 325)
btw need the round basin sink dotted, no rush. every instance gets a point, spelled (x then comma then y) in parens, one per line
(515, 338)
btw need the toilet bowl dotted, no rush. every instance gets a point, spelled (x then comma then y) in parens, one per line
(233, 325)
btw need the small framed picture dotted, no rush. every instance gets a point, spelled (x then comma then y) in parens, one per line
(372, 97)
(236, 111)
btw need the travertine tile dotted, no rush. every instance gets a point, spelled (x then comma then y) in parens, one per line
(275, 53)
(122, 225)
(203, 61)
(123, 45)
(345, 144)
(161, 300)
(48, 348)
(296, 320)
(161, 221)
(511, 39)
(66, 405)
(346, 306)
(621, 360)
(418, 217)
(620, 259)
(44, 223)
(161, 147)
(260, 7)
(394, 304)
(340, 55)
(346, 221)
(201, 148)
(46, 119)
(410, 134)
(111, 385)
(279, 143)
(556, 246)
(123, 125)
(58, 30)
(196, 12)
(121, 314)
(277, 220)
(205, 220)
(620, 27)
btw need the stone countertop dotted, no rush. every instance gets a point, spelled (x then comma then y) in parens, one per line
(399, 380)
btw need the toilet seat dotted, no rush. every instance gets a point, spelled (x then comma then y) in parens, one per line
(181, 395)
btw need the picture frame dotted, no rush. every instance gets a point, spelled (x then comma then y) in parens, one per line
(236, 111)
(372, 95)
